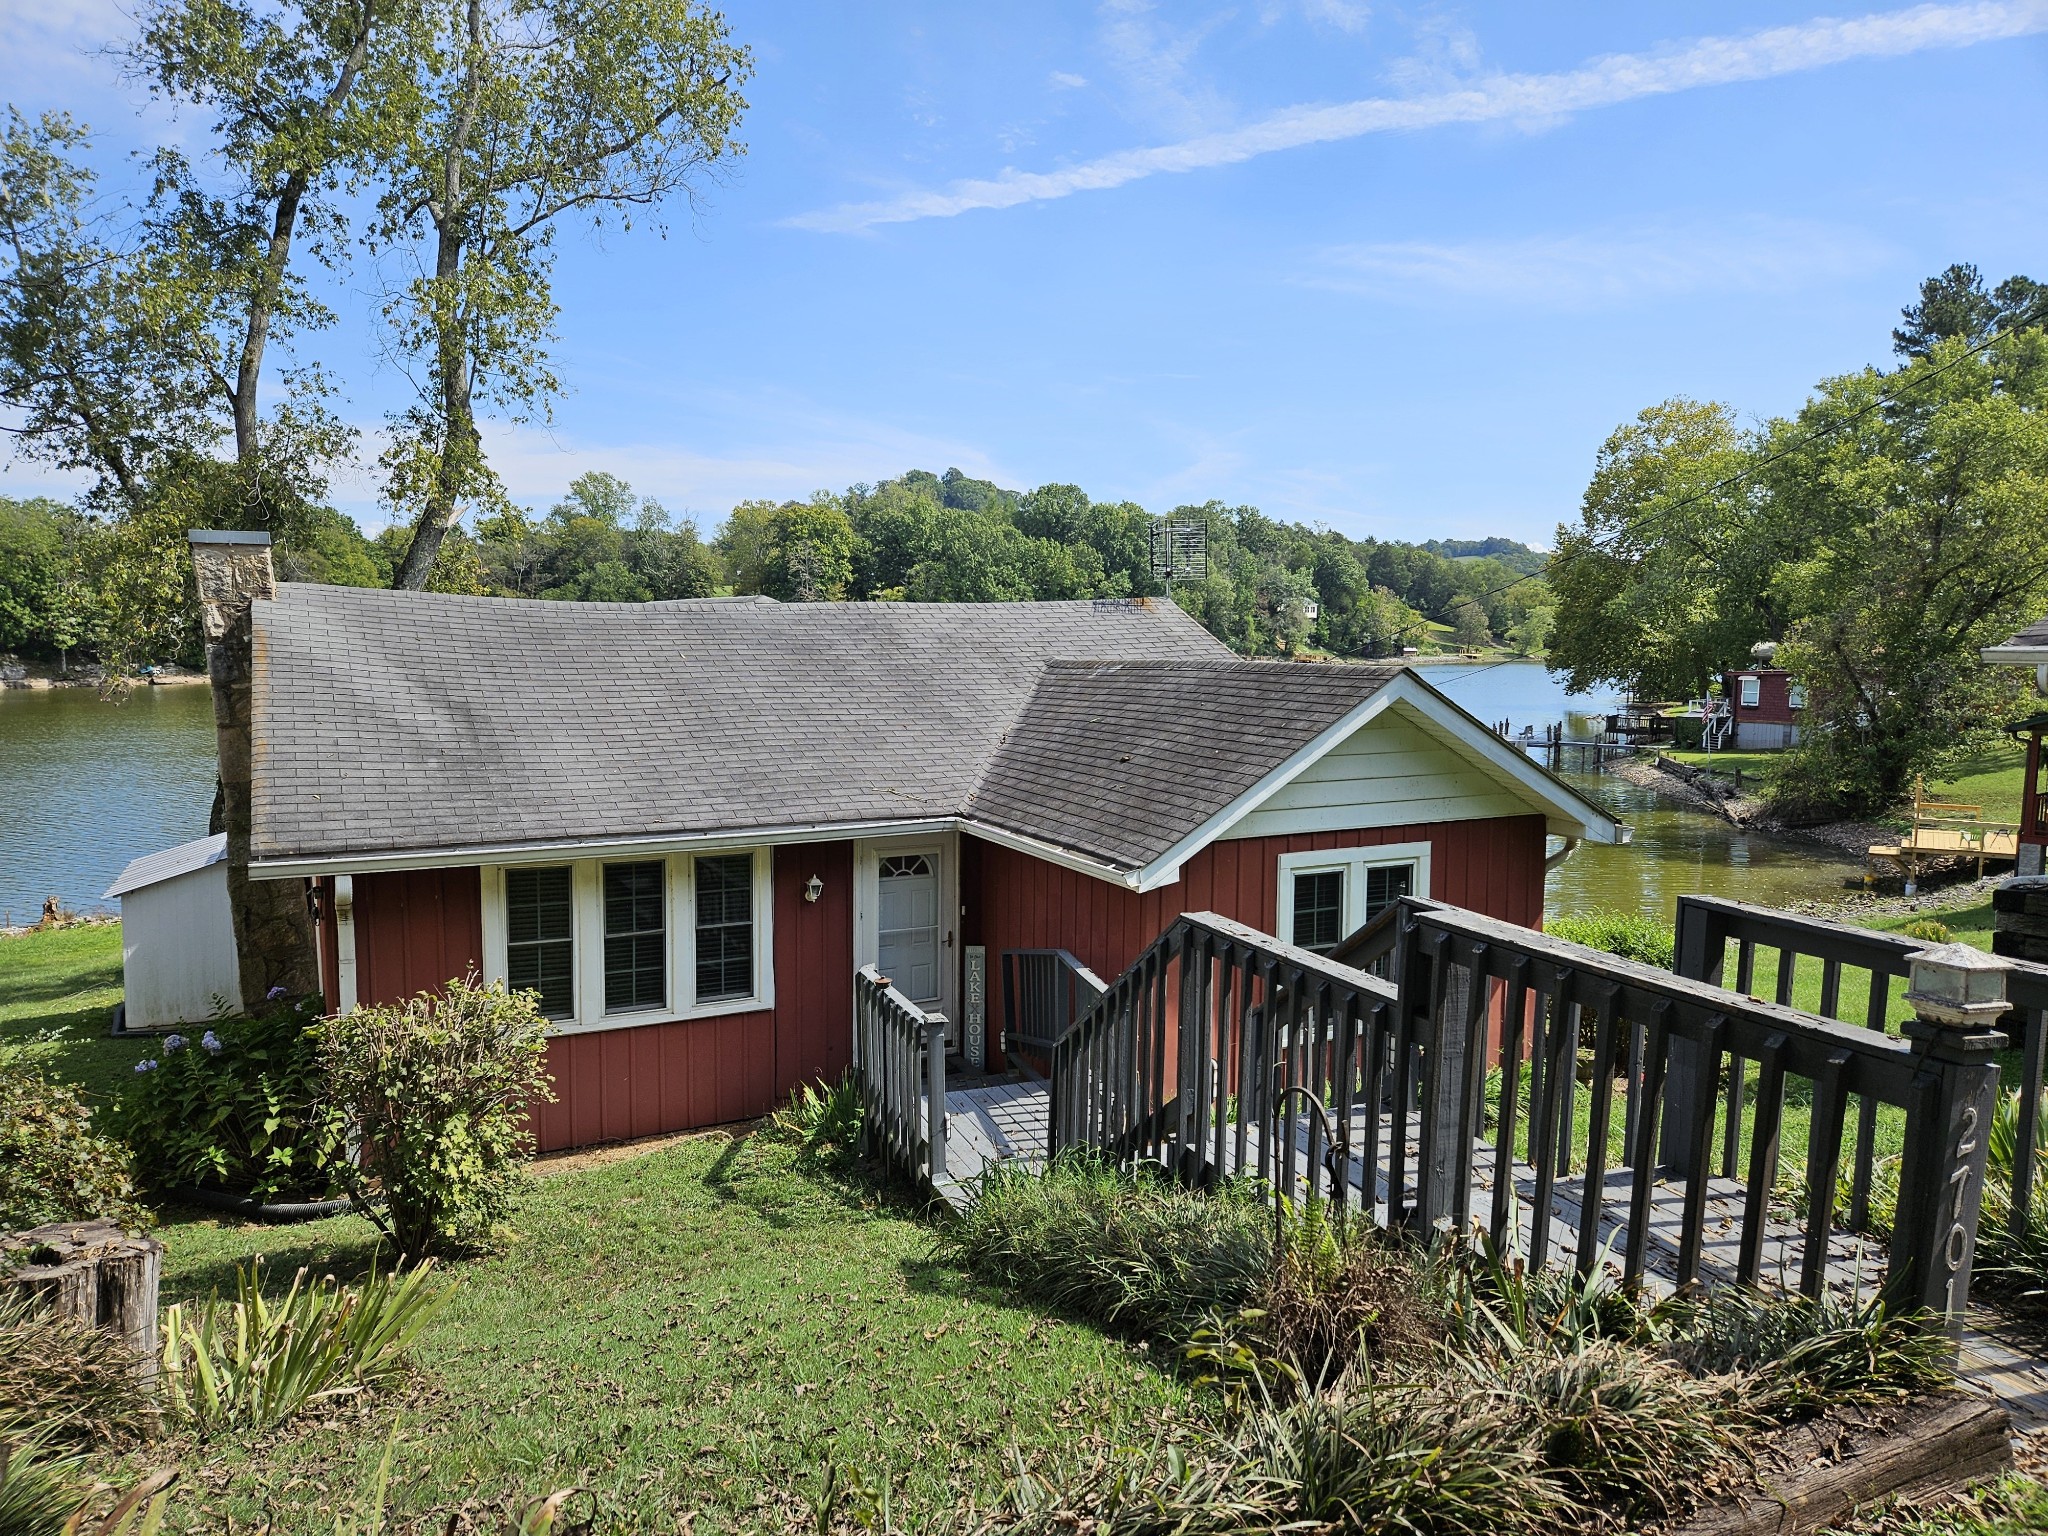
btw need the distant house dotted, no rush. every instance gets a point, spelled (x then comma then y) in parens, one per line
(2029, 648)
(177, 939)
(1767, 705)
(684, 825)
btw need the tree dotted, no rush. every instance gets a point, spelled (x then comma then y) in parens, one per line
(1955, 306)
(810, 552)
(520, 113)
(1662, 583)
(284, 82)
(1531, 633)
(1468, 623)
(97, 363)
(1915, 537)
(742, 545)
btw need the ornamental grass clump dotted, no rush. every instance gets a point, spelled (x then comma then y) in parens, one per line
(1131, 1250)
(252, 1363)
(437, 1092)
(77, 1383)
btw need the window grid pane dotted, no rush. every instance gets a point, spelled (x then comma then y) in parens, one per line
(1319, 909)
(725, 927)
(540, 947)
(635, 938)
(1386, 884)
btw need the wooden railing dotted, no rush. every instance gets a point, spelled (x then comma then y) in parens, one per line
(1220, 1051)
(1664, 1038)
(899, 1063)
(1189, 1057)
(1871, 969)
(1044, 991)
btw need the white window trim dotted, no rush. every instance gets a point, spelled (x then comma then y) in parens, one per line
(1749, 692)
(587, 925)
(1354, 862)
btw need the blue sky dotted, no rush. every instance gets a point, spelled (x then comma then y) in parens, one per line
(1396, 268)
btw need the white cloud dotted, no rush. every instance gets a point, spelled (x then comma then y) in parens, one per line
(1605, 266)
(815, 452)
(1066, 80)
(1535, 99)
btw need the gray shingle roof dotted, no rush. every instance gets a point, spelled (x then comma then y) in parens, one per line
(387, 722)
(2033, 638)
(1124, 759)
(168, 864)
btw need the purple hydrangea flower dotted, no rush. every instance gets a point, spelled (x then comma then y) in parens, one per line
(145, 1066)
(273, 994)
(173, 1043)
(210, 1043)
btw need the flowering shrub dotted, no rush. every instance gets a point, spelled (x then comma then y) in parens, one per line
(241, 1107)
(53, 1165)
(437, 1091)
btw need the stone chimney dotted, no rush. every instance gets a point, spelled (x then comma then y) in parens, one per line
(274, 937)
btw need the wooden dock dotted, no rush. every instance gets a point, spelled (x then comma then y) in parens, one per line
(1003, 1122)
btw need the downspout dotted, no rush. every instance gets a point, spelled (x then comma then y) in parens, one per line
(1552, 860)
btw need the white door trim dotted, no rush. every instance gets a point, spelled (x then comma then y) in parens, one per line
(867, 895)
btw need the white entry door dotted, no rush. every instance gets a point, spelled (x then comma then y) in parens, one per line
(908, 926)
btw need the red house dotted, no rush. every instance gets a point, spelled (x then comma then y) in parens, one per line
(1767, 705)
(685, 824)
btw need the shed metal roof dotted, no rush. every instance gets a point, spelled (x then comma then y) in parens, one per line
(168, 864)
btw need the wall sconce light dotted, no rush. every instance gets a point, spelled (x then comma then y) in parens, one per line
(813, 888)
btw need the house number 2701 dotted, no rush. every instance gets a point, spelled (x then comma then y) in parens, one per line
(1957, 1247)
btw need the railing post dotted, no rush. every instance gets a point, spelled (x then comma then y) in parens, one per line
(1701, 956)
(1957, 995)
(1445, 1170)
(935, 1092)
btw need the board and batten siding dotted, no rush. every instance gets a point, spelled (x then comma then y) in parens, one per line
(1391, 772)
(418, 928)
(1494, 866)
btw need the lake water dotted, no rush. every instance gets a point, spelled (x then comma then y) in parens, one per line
(1674, 851)
(87, 784)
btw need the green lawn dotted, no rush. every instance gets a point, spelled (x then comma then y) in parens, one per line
(1992, 777)
(61, 987)
(703, 1328)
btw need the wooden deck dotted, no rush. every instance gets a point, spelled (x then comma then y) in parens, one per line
(1006, 1122)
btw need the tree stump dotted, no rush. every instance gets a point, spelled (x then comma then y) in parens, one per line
(93, 1273)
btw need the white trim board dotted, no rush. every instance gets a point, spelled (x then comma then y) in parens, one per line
(1354, 862)
(679, 907)
(1566, 812)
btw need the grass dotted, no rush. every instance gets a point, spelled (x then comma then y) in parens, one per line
(703, 1328)
(62, 985)
(698, 1331)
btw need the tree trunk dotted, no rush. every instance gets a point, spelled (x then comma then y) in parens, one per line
(93, 1273)
(1941, 1443)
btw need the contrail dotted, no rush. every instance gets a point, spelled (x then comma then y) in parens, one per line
(1602, 82)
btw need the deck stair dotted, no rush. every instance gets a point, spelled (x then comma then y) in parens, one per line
(1642, 1110)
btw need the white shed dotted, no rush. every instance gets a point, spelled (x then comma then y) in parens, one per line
(177, 936)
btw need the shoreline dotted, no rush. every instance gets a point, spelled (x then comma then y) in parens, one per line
(22, 680)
